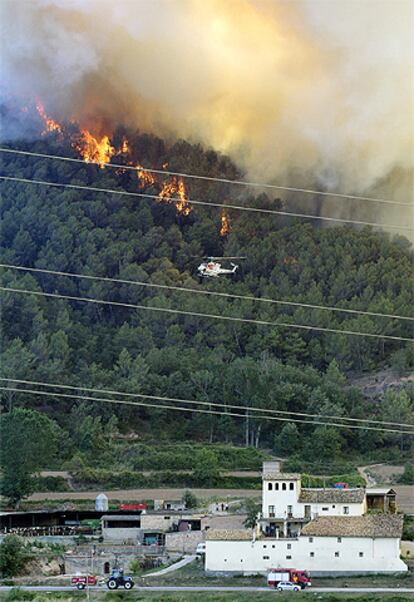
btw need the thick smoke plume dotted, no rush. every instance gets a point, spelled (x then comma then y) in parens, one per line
(288, 89)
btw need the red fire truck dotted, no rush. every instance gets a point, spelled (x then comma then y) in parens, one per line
(301, 578)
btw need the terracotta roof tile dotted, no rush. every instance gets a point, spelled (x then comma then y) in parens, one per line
(328, 496)
(229, 534)
(367, 525)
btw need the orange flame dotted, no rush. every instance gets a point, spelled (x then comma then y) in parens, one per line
(172, 187)
(225, 223)
(146, 178)
(51, 124)
(93, 150)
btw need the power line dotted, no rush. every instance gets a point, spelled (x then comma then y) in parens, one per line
(207, 203)
(204, 315)
(201, 411)
(208, 403)
(205, 292)
(210, 178)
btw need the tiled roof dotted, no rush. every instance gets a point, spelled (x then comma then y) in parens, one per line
(367, 525)
(328, 496)
(281, 476)
(229, 534)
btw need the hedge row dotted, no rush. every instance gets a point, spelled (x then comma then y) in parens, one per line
(92, 477)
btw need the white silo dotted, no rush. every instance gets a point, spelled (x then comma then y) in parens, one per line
(101, 503)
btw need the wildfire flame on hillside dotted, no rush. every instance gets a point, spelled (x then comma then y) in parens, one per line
(50, 124)
(225, 224)
(146, 178)
(93, 150)
(173, 187)
(100, 150)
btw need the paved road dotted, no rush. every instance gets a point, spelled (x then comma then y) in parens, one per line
(172, 567)
(162, 588)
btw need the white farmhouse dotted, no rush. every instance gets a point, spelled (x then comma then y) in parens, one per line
(326, 531)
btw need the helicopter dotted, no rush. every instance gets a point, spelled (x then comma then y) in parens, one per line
(211, 268)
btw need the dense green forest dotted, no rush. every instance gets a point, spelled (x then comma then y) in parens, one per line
(190, 357)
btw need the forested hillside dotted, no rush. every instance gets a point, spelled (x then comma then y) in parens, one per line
(190, 357)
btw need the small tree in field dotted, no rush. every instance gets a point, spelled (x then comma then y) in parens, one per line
(189, 499)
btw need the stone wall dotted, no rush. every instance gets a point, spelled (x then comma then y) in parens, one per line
(183, 541)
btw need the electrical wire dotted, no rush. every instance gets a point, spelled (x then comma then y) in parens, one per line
(206, 203)
(210, 178)
(204, 315)
(201, 411)
(205, 292)
(208, 403)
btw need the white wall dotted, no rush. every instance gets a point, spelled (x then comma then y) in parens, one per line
(281, 499)
(379, 555)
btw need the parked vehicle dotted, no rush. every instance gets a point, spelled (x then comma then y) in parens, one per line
(299, 578)
(288, 586)
(200, 549)
(81, 581)
(118, 579)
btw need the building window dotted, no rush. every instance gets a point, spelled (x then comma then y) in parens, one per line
(284, 486)
(310, 539)
(277, 486)
(264, 545)
(288, 557)
(270, 486)
(312, 554)
(325, 509)
(273, 545)
(266, 557)
(346, 509)
(333, 505)
(289, 546)
(291, 486)
(271, 511)
(361, 554)
(289, 510)
(339, 539)
(336, 554)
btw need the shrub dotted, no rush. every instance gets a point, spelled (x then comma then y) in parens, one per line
(407, 478)
(13, 556)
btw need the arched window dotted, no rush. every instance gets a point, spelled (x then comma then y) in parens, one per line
(284, 486)
(277, 486)
(270, 486)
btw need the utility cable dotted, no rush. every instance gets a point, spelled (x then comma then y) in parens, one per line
(205, 292)
(201, 411)
(207, 403)
(204, 315)
(206, 203)
(210, 178)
